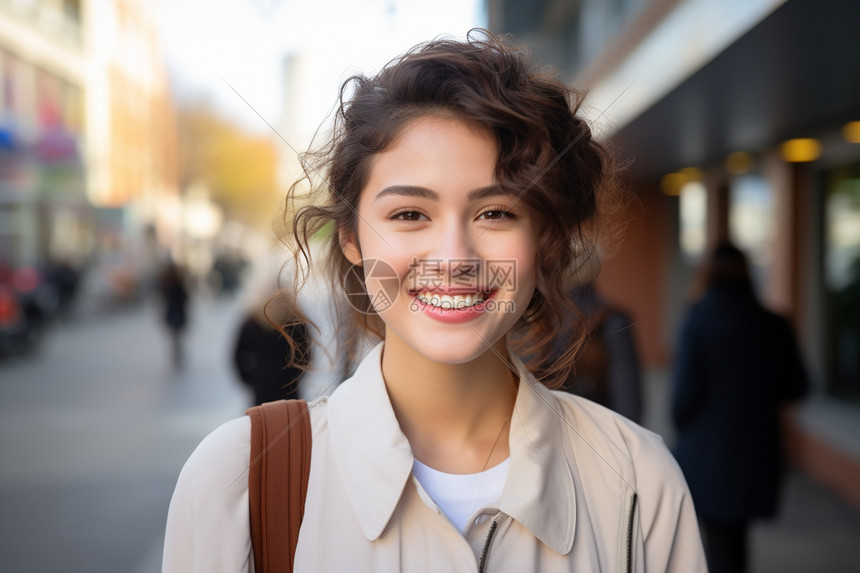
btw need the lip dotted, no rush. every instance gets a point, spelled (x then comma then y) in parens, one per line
(451, 290)
(452, 315)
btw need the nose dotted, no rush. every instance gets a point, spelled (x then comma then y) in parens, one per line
(450, 259)
(452, 242)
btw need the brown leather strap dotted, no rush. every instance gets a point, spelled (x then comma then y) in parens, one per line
(278, 481)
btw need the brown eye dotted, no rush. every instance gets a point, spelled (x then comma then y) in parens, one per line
(495, 214)
(407, 216)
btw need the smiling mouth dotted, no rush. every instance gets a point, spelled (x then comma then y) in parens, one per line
(446, 301)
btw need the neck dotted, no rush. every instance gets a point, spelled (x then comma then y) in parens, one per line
(454, 415)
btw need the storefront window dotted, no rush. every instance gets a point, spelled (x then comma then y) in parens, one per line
(693, 211)
(751, 224)
(842, 282)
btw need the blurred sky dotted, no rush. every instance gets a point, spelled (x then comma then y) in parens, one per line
(245, 43)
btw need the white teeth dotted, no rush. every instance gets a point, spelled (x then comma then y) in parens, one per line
(447, 301)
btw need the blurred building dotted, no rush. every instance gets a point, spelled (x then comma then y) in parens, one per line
(87, 135)
(740, 118)
(43, 205)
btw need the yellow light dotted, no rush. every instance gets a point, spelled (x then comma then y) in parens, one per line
(739, 162)
(851, 132)
(671, 183)
(691, 173)
(800, 150)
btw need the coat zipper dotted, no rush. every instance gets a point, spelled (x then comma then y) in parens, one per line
(630, 515)
(493, 527)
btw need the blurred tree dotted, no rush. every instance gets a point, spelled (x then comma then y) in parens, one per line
(238, 167)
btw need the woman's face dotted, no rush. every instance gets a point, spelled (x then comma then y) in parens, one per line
(462, 251)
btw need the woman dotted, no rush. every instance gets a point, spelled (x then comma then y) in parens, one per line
(462, 186)
(737, 366)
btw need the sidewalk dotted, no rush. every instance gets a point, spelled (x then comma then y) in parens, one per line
(95, 428)
(815, 531)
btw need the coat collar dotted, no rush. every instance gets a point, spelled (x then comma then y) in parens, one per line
(539, 491)
(375, 460)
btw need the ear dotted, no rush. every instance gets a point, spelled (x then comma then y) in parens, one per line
(349, 246)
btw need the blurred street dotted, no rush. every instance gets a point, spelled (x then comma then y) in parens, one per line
(145, 148)
(94, 430)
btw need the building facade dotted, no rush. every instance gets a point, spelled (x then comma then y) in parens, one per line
(43, 69)
(87, 132)
(739, 120)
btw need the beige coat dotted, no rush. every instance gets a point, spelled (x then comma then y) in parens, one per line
(587, 491)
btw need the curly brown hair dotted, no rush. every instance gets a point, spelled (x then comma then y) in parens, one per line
(547, 158)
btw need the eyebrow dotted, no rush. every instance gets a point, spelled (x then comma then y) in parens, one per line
(423, 192)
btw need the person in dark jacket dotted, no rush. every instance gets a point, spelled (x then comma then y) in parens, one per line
(737, 364)
(262, 355)
(174, 298)
(607, 370)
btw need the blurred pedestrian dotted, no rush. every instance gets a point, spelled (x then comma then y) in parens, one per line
(607, 370)
(65, 279)
(737, 365)
(227, 272)
(174, 298)
(263, 358)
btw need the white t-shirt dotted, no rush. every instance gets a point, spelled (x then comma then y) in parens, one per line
(460, 496)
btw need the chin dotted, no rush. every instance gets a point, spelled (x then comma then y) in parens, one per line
(455, 356)
(453, 349)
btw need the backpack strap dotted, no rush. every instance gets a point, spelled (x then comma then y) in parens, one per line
(278, 481)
